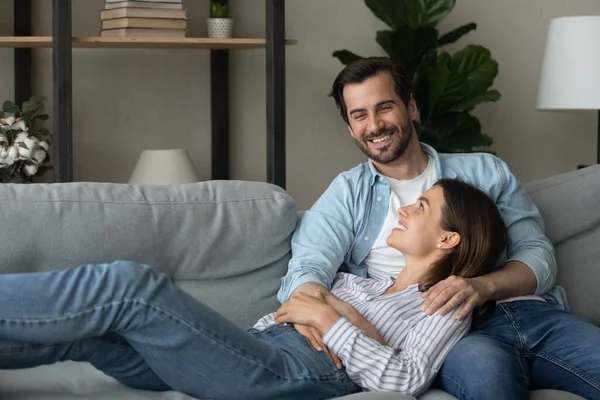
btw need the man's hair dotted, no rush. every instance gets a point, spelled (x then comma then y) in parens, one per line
(472, 214)
(364, 68)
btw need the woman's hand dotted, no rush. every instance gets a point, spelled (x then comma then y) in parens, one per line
(304, 309)
(315, 338)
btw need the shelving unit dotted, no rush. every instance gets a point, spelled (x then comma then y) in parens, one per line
(39, 42)
(62, 42)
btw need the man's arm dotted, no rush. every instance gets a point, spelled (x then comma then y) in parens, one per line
(528, 244)
(531, 265)
(514, 279)
(321, 241)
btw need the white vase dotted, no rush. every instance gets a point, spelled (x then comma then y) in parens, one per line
(220, 28)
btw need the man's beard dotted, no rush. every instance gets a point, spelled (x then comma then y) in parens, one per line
(383, 155)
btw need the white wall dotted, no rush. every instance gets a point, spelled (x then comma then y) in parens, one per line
(128, 100)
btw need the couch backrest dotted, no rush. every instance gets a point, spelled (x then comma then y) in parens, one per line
(208, 236)
(570, 205)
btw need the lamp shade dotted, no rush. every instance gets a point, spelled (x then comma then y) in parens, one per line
(570, 77)
(164, 167)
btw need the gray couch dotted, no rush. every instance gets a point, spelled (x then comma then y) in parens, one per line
(228, 244)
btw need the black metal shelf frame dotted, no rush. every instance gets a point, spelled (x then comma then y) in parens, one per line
(219, 74)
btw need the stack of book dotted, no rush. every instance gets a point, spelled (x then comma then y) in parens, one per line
(147, 18)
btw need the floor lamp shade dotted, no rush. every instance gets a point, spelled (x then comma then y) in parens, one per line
(570, 77)
(164, 167)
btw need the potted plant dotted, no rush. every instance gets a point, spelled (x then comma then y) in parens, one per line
(219, 24)
(447, 87)
(23, 146)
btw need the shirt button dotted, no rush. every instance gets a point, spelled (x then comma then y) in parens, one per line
(366, 238)
(379, 198)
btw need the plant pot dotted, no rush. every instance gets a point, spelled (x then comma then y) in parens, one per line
(219, 28)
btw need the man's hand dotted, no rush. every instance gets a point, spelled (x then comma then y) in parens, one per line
(315, 338)
(312, 288)
(305, 309)
(453, 291)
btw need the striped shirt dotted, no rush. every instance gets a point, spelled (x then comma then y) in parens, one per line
(416, 343)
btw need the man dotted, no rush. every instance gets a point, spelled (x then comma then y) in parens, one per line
(525, 344)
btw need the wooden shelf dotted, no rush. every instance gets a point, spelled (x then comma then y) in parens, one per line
(35, 42)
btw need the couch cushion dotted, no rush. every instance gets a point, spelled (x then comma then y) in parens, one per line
(570, 205)
(218, 239)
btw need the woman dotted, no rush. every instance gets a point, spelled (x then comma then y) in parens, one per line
(137, 326)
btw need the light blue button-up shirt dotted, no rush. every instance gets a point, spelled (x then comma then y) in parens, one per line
(342, 225)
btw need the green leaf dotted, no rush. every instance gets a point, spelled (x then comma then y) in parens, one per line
(30, 107)
(10, 107)
(391, 12)
(452, 124)
(476, 65)
(472, 71)
(408, 45)
(427, 13)
(471, 102)
(219, 10)
(414, 13)
(455, 34)
(429, 82)
(398, 44)
(455, 132)
(346, 57)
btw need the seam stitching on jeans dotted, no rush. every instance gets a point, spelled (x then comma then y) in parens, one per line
(463, 390)
(567, 367)
(514, 324)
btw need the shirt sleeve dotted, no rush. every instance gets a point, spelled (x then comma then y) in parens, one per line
(321, 240)
(527, 241)
(409, 370)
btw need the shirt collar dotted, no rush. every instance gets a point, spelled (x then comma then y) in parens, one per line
(375, 174)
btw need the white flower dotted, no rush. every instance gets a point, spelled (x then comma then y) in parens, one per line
(4, 152)
(12, 156)
(26, 145)
(19, 125)
(31, 169)
(3, 140)
(9, 121)
(44, 145)
(38, 155)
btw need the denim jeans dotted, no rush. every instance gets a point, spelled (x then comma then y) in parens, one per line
(138, 327)
(526, 345)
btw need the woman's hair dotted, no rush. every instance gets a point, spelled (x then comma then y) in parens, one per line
(475, 217)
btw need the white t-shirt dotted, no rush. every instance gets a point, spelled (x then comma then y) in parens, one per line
(384, 261)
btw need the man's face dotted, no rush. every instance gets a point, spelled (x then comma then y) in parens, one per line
(380, 123)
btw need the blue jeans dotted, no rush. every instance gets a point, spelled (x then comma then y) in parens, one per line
(138, 327)
(526, 345)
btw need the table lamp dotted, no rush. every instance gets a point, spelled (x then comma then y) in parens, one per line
(163, 167)
(570, 78)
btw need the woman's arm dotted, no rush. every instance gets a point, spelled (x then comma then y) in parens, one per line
(347, 311)
(409, 370)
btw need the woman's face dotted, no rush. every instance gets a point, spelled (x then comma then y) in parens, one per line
(419, 230)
